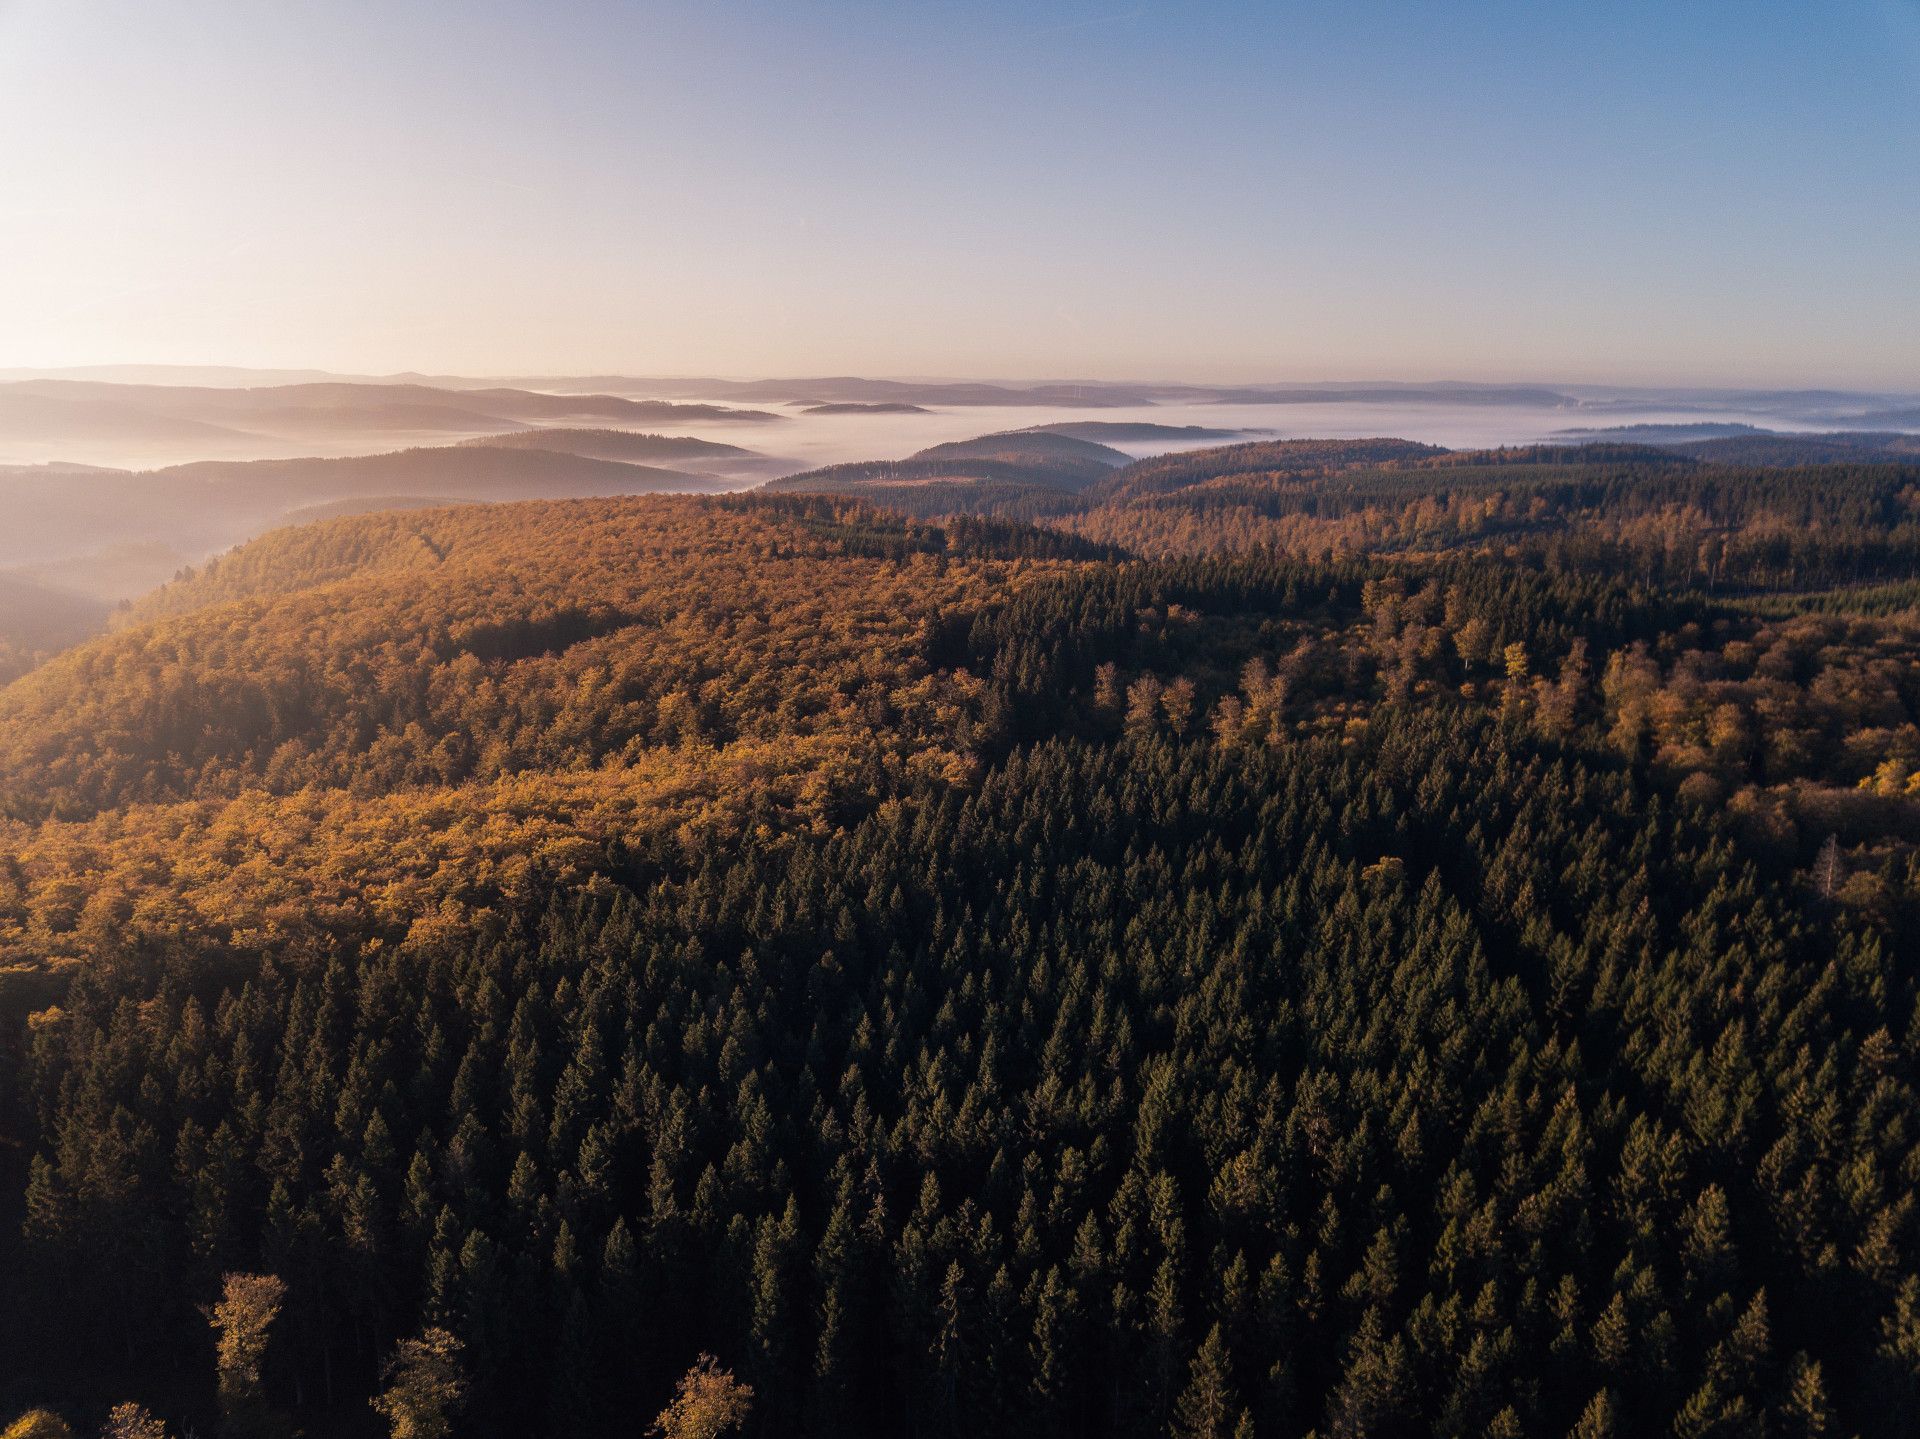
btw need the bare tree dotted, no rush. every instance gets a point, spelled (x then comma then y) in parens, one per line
(1826, 868)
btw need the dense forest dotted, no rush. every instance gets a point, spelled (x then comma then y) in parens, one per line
(1334, 938)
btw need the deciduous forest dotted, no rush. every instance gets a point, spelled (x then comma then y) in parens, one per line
(1336, 938)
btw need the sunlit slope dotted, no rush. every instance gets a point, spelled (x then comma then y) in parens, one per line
(375, 717)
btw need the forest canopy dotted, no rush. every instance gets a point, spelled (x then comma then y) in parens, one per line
(1315, 937)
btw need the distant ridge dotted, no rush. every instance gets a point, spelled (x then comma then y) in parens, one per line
(92, 409)
(1742, 444)
(207, 505)
(866, 407)
(626, 446)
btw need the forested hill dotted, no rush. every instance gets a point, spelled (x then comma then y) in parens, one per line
(1351, 942)
(1020, 474)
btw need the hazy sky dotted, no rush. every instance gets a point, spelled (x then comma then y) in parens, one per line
(1671, 191)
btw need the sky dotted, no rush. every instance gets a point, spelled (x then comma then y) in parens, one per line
(1617, 193)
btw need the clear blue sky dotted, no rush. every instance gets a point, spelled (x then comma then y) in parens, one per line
(1679, 191)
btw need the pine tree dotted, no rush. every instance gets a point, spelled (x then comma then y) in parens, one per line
(1207, 1408)
(1596, 1420)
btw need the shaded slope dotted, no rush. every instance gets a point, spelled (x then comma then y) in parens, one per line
(626, 446)
(1167, 473)
(1130, 431)
(1024, 475)
(344, 405)
(1064, 460)
(212, 504)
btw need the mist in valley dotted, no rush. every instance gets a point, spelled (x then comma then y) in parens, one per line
(111, 488)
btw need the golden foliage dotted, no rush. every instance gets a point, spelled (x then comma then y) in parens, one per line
(388, 723)
(707, 1403)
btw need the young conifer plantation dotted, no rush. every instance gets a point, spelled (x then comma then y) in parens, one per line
(1334, 938)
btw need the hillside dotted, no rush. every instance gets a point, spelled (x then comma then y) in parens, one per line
(1074, 463)
(851, 389)
(342, 404)
(1131, 431)
(625, 446)
(1301, 458)
(462, 651)
(196, 508)
(41, 619)
(1398, 961)
(1021, 475)
(1809, 449)
(867, 407)
(1751, 445)
(28, 417)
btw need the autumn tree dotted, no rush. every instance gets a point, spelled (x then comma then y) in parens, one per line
(707, 1402)
(38, 1424)
(242, 1321)
(132, 1421)
(425, 1386)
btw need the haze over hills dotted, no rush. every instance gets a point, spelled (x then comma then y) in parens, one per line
(119, 532)
(303, 423)
(90, 420)
(1812, 403)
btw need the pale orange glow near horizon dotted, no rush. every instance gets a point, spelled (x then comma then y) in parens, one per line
(660, 189)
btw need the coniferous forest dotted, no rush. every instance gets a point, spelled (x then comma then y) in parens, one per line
(1335, 938)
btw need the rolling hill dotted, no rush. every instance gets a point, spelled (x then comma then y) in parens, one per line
(210, 504)
(1752, 445)
(625, 446)
(1379, 968)
(866, 407)
(223, 419)
(1024, 474)
(1133, 431)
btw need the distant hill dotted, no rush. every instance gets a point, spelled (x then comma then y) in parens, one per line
(379, 418)
(929, 488)
(1661, 434)
(867, 407)
(1066, 460)
(1021, 474)
(1433, 394)
(1737, 444)
(853, 389)
(1903, 417)
(1131, 431)
(38, 619)
(30, 417)
(1168, 473)
(82, 410)
(626, 446)
(208, 505)
(1808, 449)
(108, 575)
